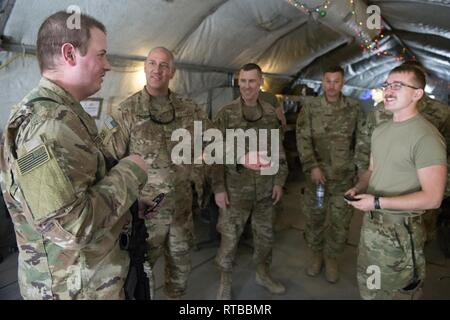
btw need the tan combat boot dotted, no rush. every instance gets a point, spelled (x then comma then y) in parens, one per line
(315, 263)
(331, 270)
(263, 278)
(224, 292)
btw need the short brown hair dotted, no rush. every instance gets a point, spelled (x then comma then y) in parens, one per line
(418, 76)
(417, 65)
(252, 66)
(334, 69)
(54, 32)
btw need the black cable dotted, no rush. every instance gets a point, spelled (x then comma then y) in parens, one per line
(415, 281)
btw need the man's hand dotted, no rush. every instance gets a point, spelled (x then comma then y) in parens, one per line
(366, 202)
(222, 200)
(277, 193)
(137, 160)
(317, 176)
(145, 208)
(255, 160)
(352, 192)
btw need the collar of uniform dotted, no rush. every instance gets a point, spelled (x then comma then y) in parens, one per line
(242, 103)
(335, 105)
(60, 94)
(146, 101)
(65, 98)
(259, 105)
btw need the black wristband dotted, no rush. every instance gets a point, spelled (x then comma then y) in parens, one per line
(376, 203)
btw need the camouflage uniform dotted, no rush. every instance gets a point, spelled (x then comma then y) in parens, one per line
(386, 239)
(435, 112)
(385, 243)
(171, 231)
(249, 192)
(68, 213)
(325, 140)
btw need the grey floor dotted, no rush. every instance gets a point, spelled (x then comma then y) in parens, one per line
(288, 265)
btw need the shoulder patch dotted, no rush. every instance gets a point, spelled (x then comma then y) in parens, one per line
(33, 160)
(110, 123)
(110, 126)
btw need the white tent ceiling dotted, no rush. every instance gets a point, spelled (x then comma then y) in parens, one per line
(212, 37)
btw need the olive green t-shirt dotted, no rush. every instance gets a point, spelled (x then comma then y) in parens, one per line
(399, 149)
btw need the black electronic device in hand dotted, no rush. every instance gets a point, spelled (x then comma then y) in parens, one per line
(350, 198)
(157, 201)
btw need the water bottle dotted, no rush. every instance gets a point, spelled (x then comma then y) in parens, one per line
(320, 195)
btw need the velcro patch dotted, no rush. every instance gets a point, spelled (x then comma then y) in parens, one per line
(110, 123)
(101, 138)
(33, 160)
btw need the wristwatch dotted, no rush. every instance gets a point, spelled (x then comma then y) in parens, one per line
(376, 202)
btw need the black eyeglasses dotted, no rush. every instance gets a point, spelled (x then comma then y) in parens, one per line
(396, 86)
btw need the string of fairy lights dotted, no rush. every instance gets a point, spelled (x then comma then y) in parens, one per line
(368, 44)
(321, 10)
(372, 45)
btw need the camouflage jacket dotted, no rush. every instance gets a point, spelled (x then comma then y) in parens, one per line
(434, 111)
(67, 211)
(136, 131)
(231, 117)
(326, 136)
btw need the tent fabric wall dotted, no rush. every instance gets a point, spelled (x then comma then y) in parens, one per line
(22, 75)
(291, 46)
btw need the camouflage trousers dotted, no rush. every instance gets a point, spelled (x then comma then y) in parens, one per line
(171, 234)
(232, 223)
(385, 252)
(326, 229)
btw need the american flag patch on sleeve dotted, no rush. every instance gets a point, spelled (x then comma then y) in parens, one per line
(110, 123)
(33, 160)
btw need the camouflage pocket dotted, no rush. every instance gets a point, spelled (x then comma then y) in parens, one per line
(43, 183)
(318, 126)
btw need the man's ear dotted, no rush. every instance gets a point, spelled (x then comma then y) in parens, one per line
(418, 94)
(172, 73)
(68, 54)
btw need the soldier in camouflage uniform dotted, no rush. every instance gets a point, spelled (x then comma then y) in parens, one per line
(67, 211)
(273, 101)
(435, 112)
(146, 122)
(406, 175)
(326, 130)
(244, 190)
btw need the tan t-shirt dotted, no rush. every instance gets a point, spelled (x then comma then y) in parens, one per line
(399, 149)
